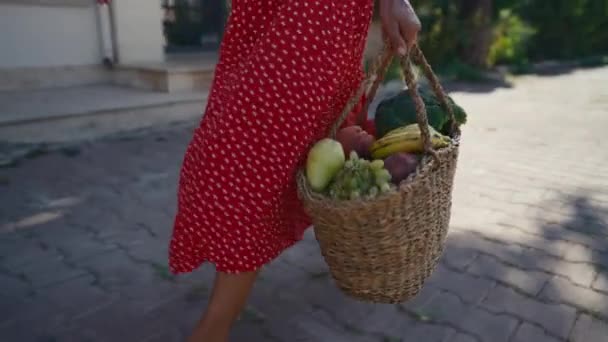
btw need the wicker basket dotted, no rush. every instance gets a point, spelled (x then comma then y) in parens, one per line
(383, 250)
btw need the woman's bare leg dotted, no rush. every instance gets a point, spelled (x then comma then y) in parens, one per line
(228, 298)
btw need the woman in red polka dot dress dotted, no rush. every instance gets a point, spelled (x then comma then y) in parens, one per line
(286, 70)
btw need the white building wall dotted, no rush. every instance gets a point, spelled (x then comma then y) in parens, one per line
(139, 34)
(48, 36)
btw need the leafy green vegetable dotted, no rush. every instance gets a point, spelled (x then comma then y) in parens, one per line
(399, 111)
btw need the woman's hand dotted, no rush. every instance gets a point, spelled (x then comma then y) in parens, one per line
(400, 24)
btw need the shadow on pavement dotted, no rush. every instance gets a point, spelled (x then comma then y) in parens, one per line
(83, 256)
(480, 87)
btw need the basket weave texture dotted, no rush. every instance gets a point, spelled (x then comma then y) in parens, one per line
(383, 250)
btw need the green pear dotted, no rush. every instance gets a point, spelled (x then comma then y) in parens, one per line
(325, 160)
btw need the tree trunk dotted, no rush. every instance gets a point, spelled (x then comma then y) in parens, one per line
(477, 19)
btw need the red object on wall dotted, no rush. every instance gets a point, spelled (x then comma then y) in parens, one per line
(104, 2)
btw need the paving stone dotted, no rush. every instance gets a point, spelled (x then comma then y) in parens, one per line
(487, 326)
(163, 229)
(123, 193)
(528, 281)
(528, 238)
(115, 322)
(285, 312)
(562, 291)
(579, 253)
(156, 220)
(530, 259)
(324, 294)
(443, 307)
(459, 337)
(31, 221)
(388, 320)
(321, 329)
(127, 235)
(104, 223)
(427, 333)
(423, 297)
(145, 248)
(36, 312)
(580, 274)
(174, 317)
(11, 285)
(74, 242)
(12, 243)
(176, 336)
(555, 318)
(268, 304)
(9, 305)
(245, 331)
(76, 298)
(19, 252)
(502, 251)
(50, 271)
(458, 258)
(51, 310)
(280, 275)
(145, 284)
(601, 282)
(73, 335)
(204, 275)
(450, 309)
(529, 333)
(558, 233)
(22, 332)
(589, 329)
(289, 315)
(306, 254)
(466, 286)
(10, 211)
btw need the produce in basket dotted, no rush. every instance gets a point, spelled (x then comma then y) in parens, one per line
(383, 240)
(354, 138)
(406, 139)
(324, 160)
(360, 178)
(401, 165)
(400, 110)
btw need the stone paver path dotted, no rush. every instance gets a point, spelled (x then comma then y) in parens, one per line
(83, 239)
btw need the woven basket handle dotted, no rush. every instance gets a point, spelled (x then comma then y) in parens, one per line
(368, 86)
(371, 83)
(418, 57)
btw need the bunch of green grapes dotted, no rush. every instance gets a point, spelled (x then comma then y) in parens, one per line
(360, 178)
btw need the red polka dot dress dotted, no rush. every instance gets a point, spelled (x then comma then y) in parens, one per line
(286, 70)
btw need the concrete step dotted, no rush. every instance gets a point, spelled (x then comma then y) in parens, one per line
(21, 79)
(179, 72)
(89, 112)
(187, 72)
